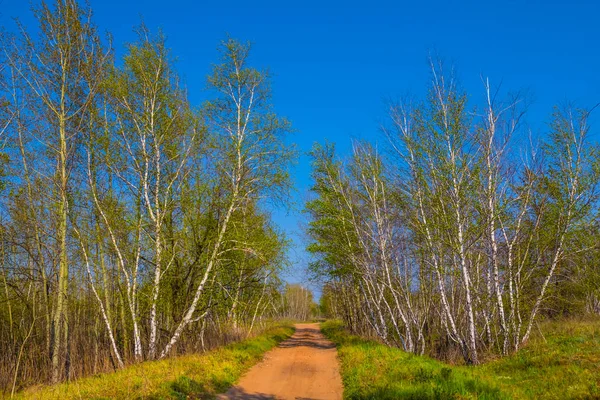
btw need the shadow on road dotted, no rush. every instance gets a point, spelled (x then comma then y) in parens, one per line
(236, 393)
(304, 337)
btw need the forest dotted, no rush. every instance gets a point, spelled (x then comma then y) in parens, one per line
(138, 226)
(459, 232)
(134, 224)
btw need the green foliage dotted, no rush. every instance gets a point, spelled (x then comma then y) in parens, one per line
(333, 239)
(246, 132)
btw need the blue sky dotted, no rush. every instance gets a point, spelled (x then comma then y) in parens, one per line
(336, 63)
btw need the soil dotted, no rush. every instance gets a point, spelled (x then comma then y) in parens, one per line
(303, 367)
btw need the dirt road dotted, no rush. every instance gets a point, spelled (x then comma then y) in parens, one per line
(302, 367)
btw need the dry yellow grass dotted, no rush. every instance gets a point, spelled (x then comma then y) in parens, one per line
(190, 376)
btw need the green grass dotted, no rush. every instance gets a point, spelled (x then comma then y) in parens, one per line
(196, 376)
(563, 365)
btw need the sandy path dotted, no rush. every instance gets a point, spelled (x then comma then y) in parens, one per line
(302, 367)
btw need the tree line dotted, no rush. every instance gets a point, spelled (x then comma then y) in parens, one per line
(461, 231)
(134, 225)
(298, 303)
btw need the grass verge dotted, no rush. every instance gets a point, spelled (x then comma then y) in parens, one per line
(565, 364)
(197, 376)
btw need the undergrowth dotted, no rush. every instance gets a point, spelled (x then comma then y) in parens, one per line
(196, 376)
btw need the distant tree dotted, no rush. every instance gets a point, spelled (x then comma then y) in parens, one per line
(298, 302)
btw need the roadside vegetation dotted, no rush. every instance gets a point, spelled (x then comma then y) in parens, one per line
(563, 363)
(189, 376)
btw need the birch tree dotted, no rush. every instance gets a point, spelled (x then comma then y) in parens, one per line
(147, 160)
(62, 69)
(250, 152)
(129, 216)
(465, 232)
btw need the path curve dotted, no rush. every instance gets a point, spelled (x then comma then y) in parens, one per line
(303, 367)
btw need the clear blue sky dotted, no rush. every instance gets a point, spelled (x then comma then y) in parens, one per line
(335, 63)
